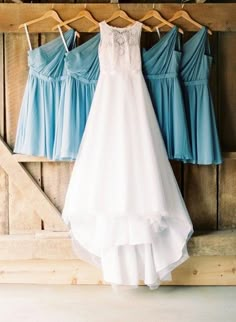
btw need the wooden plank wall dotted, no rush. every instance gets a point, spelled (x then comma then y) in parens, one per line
(209, 191)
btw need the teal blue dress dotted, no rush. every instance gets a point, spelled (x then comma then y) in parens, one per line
(161, 65)
(39, 108)
(82, 70)
(195, 70)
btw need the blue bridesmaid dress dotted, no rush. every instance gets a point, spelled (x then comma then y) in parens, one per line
(82, 70)
(161, 68)
(195, 70)
(37, 118)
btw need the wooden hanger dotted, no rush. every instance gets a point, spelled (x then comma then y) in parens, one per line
(49, 14)
(82, 14)
(123, 15)
(155, 14)
(185, 15)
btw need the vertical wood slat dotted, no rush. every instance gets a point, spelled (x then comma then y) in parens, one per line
(21, 219)
(227, 200)
(55, 176)
(227, 89)
(200, 195)
(3, 177)
(227, 112)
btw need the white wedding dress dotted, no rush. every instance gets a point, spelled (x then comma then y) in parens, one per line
(123, 205)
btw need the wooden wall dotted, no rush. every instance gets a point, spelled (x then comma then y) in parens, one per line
(209, 191)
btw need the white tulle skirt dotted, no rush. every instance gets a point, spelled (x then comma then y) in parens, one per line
(123, 205)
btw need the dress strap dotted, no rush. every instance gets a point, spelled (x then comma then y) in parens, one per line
(74, 40)
(27, 36)
(63, 39)
(158, 32)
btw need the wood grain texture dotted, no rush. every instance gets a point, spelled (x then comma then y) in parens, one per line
(197, 270)
(200, 194)
(3, 177)
(219, 17)
(16, 71)
(58, 245)
(32, 193)
(55, 176)
(227, 90)
(227, 195)
(21, 216)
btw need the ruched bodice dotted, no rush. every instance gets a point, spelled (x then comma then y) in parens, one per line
(119, 49)
(82, 72)
(163, 59)
(39, 109)
(82, 62)
(48, 61)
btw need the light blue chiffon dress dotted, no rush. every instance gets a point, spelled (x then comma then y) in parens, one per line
(82, 70)
(195, 70)
(161, 65)
(37, 118)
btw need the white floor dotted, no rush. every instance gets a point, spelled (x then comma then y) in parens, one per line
(41, 303)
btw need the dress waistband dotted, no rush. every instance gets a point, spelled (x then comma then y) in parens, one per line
(196, 82)
(161, 76)
(82, 79)
(46, 78)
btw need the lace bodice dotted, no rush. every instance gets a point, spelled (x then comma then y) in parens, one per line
(119, 48)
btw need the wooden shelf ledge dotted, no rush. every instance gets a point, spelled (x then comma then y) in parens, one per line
(57, 245)
(27, 158)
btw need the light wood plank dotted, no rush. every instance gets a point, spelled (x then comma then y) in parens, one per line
(55, 176)
(21, 217)
(227, 193)
(33, 194)
(213, 243)
(58, 245)
(204, 270)
(29, 158)
(200, 194)
(4, 227)
(219, 17)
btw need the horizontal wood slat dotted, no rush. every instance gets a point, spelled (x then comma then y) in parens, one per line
(46, 245)
(29, 158)
(197, 270)
(218, 17)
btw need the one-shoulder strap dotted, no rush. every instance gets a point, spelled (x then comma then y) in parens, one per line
(63, 39)
(27, 36)
(207, 45)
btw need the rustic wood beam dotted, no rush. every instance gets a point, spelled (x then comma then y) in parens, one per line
(28, 158)
(218, 17)
(197, 270)
(57, 245)
(31, 192)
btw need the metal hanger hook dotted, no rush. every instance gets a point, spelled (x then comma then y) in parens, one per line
(85, 5)
(153, 6)
(182, 4)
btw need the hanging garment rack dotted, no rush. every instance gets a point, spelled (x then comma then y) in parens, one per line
(12, 15)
